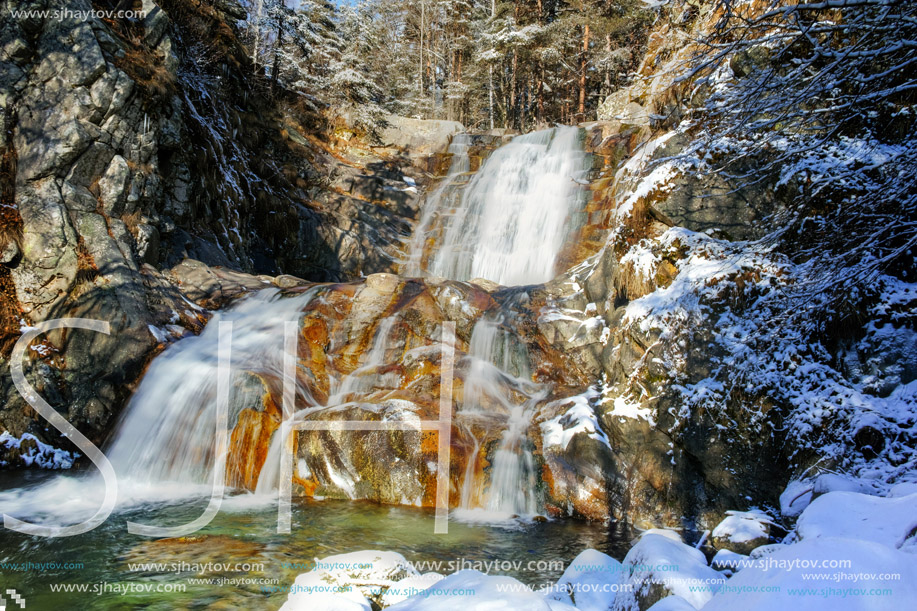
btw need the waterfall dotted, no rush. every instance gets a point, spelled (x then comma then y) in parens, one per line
(363, 378)
(445, 197)
(510, 222)
(499, 393)
(167, 432)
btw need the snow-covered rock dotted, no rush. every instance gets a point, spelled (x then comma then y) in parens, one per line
(591, 581)
(794, 578)
(742, 531)
(30, 451)
(470, 590)
(795, 498)
(408, 587)
(658, 566)
(888, 521)
(672, 603)
(903, 489)
(347, 582)
(728, 561)
(834, 482)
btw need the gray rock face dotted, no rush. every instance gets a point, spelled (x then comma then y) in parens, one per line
(123, 167)
(113, 186)
(419, 136)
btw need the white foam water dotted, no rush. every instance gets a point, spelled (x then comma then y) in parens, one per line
(511, 221)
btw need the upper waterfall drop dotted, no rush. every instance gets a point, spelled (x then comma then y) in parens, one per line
(511, 220)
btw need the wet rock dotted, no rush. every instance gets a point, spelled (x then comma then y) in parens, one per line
(213, 287)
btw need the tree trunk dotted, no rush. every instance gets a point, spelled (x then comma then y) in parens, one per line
(582, 75)
(276, 67)
(491, 93)
(420, 57)
(540, 94)
(512, 91)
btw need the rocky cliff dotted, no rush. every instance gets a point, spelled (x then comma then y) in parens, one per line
(129, 145)
(661, 396)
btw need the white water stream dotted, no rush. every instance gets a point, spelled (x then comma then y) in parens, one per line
(510, 222)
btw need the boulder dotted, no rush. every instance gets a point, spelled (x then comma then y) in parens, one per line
(660, 565)
(742, 531)
(419, 136)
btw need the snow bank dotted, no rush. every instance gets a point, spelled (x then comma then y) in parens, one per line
(672, 603)
(793, 578)
(859, 516)
(591, 581)
(469, 590)
(347, 582)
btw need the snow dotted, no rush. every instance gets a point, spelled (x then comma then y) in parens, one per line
(834, 482)
(728, 561)
(408, 587)
(580, 418)
(903, 489)
(590, 578)
(38, 453)
(795, 498)
(659, 559)
(672, 603)
(469, 590)
(743, 526)
(795, 577)
(642, 258)
(345, 582)
(624, 408)
(157, 334)
(850, 514)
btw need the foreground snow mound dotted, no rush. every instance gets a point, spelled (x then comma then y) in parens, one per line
(672, 603)
(888, 521)
(591, 581)
(411, 586)
(796, 578)
(659, 566)
(347, 582)
(470, 590)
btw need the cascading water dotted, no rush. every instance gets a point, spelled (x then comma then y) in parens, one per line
(506, 224)
(498, 390)
(361, 380)
(445, 197)
(364, 377)
(168, 430)
(162, 449)
(509, 224)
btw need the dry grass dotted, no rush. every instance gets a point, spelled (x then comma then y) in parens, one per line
(10, 231)
(147, 69)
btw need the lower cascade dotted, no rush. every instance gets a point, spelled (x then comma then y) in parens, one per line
(498, 394)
